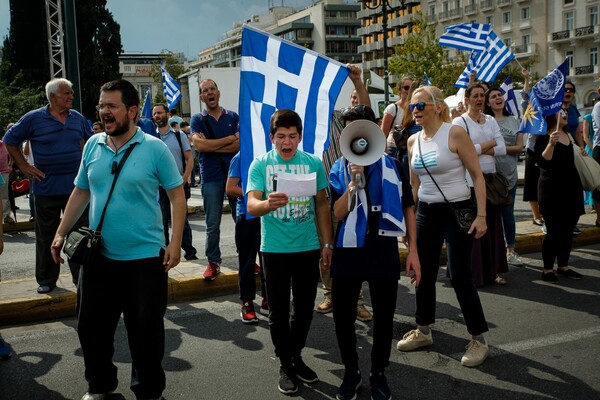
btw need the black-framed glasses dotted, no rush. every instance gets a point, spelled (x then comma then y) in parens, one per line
(110, 107)
(419, 106)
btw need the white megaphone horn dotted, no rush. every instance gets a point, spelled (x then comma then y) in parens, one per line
(362, 142)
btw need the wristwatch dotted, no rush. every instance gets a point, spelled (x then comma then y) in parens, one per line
(328, 246)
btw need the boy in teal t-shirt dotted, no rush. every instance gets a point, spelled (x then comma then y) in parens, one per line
(290, 243)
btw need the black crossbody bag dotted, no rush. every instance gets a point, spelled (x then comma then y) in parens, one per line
(84, 244)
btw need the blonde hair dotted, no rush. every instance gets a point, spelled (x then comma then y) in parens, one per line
(437, 97)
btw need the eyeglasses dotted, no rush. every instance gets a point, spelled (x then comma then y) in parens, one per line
(111, 107)
(419, 106)
(569, 90)
(406, 87)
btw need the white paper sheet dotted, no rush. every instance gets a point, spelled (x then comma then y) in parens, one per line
(297, 185)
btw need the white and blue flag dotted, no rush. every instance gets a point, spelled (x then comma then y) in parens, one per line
(495, 56)
(463, 79)
(466, 36)
(278, 74)
(509, 97)
(147, 110)
(171, 88)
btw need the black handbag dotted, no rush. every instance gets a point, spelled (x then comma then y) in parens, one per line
(496, 189)
(83, 245)
(465, 214)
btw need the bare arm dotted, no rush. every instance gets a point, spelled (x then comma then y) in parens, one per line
(201, 143)
(76, 205)
(178, 214)
(359, 86)
(323, 216)
(189, 165)
(258, 207)
(412, 259)
(31, 171)
(459, 142)
(586, 139)
(232, 188)
(386, 123)
(415, 181)
(516, 148)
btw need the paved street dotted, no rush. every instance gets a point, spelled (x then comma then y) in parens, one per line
(544, 341)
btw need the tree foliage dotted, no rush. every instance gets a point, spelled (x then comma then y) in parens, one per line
(25, 64)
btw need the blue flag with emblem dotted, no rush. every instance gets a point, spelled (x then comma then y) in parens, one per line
(545, 99)
(278, 74)
(171, 88)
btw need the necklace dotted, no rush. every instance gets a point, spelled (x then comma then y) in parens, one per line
(121, 146)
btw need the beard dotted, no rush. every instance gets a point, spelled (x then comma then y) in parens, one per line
(120, 129)
(161, 122)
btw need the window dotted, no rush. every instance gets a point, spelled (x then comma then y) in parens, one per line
(593, 56)
(569, 20)
(569, 57)
(489, 20)
(593, 13)
(507, 41)
(526, 42)
(432, 10)
(507, 17)
(525, 13)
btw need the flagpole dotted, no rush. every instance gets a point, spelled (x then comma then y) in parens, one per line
(520, 65)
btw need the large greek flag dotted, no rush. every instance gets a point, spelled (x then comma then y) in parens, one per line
(495, 56)
(277, 74)
(171, 88)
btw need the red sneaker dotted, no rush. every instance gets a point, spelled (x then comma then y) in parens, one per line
(264, 307)
(256, 269)
(248, 314)
(211, 272)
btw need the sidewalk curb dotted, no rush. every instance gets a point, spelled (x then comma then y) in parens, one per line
(61, 302)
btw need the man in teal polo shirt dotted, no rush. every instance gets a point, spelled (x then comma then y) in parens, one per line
(130, 276)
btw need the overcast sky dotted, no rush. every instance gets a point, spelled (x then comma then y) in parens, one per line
(177, 25)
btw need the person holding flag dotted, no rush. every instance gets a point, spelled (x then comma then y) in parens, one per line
(560, 196)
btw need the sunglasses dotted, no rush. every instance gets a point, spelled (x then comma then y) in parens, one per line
(406, 87)
(419, 106)
(569, 90)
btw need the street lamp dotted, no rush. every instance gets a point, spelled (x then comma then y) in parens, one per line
(385, 6)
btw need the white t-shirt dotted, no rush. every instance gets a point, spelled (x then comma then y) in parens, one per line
(398, 113)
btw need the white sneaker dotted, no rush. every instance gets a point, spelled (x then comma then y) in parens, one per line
(93, 396)
(513, 259)
(476, 354)
(414, 339)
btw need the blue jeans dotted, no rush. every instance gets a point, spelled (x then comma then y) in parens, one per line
(508, 220)
(435, 223)
(213, 194)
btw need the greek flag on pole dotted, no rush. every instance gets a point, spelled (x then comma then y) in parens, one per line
(147, 110)
(466, 36)
(463, 79)
(509, 97)
(171, 88)
(277, 74)
(494, 57)
(427, 81)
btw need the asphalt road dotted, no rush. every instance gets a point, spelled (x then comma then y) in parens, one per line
(544, 345)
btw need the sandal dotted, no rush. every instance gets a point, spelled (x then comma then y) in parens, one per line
(538, 222)
(500, 280)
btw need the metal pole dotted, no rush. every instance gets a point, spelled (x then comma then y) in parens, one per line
(386, 77)
(72, 52)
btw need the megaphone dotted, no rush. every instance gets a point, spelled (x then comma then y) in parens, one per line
(362, 142)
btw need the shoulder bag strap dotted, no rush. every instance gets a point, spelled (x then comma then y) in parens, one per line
(466, 125)
(117, 171)
(178, 136)
(426, 169)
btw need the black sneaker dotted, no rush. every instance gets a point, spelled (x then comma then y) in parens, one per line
(569, 273)
(550, 277)
(352, 381)
(287, 381)
(303, 372)
(379, 387)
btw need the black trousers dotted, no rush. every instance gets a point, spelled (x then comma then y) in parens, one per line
(300, 272)
(165, 209)
(47, 218)
(345, 292)
(247, 241)
(138, 289)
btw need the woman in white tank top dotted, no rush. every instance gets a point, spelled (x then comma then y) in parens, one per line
(446, 151)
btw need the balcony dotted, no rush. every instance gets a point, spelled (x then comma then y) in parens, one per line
(584, 31)
(503, 3)
(471, 9)
(486, 5)
(525, 24)
(585, 70)
(524, 50)
(455, 13)
(444, 15)
(561, 35)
